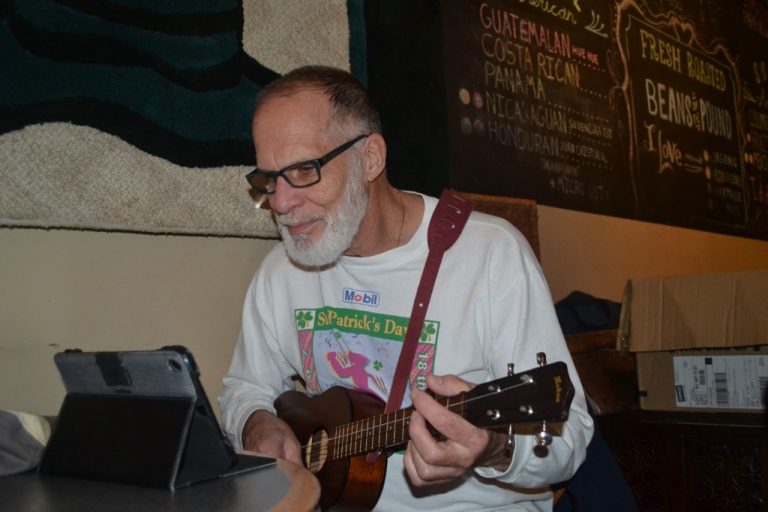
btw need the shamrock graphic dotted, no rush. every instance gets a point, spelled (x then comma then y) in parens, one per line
(428, 331)
(304, 319)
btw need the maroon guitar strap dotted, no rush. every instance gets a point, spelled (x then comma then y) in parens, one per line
(449, 218)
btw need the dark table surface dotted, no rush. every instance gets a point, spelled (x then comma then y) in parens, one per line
(281, 486)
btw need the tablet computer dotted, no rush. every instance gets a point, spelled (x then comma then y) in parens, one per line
(139, 417)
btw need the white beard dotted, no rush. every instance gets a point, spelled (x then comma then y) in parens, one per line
(341, 227)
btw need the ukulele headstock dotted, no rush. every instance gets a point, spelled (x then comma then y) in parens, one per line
(533, 396)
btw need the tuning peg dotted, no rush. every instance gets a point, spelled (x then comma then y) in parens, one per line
(541, 358)
(543, 440)
(510, 369)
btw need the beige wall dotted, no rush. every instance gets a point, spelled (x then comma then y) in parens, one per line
(97, 291)
(597, 254)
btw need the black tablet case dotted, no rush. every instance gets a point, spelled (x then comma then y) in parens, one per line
(139, 417)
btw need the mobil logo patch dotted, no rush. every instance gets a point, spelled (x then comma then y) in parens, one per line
(361, 297)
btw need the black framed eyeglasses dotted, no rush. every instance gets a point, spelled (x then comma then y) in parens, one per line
(298, 175)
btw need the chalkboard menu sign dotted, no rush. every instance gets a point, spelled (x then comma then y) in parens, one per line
(653, 110)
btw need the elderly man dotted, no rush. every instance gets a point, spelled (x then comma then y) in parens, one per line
(331, 304)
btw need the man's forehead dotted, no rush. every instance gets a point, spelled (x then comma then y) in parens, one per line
(302, 103)
(294, 113)
(281, 145)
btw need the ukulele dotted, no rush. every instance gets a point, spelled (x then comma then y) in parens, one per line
(345, 437)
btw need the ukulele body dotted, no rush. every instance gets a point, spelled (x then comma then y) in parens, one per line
(347, 483)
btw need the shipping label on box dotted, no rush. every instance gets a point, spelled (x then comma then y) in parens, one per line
(731, 379)
(721, 382)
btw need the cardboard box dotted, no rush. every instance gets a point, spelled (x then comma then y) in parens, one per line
(696, 311)
(727, 380)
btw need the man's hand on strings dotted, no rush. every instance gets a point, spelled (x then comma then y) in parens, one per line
(268, 435)
(431, 461)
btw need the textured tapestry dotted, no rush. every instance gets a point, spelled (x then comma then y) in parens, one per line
(134, 115)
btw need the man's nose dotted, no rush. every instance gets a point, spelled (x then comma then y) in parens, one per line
(285, 197)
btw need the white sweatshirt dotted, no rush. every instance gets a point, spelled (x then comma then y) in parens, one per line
(345, 325)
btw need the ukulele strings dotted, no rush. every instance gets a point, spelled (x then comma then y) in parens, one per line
(364, 431)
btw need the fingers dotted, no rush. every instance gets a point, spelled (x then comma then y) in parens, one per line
(278, 446)
(292, 452)
(448, 385)
(266, 434)
(445, 421)
(460, 446)
(422, 474)
(429, 460)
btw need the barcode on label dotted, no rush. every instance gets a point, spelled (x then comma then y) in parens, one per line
(700, 377)
(721, 389)
(721, 382)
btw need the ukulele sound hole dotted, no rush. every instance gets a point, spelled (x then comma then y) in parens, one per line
(316, 452)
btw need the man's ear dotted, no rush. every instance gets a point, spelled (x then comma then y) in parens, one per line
(374, 156)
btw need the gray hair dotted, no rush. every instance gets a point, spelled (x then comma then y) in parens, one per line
(349, 98)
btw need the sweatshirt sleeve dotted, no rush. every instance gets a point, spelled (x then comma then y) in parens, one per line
(259, 371)
(524, 324)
